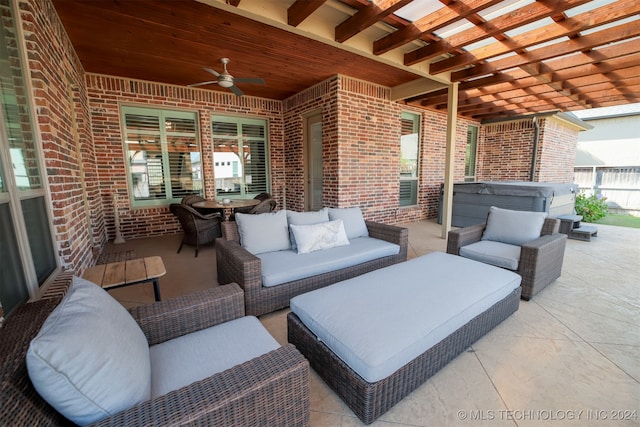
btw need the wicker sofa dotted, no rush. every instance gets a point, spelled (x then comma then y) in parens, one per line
(272, 389)
(235, 264)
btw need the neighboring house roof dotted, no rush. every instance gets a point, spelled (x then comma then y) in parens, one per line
(607, 112)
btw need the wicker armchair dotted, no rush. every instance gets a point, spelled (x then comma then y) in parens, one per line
(540, 260)
(272, 389)
(199, 229)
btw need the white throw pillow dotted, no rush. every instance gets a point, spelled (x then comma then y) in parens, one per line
(90, 358)
(513, 227)
(319, 236)
(305, 218)
(266, 232)
(353, 220)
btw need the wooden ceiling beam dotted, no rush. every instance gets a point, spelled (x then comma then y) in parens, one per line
(610, 35)
(366, 17)
(597, 17)
(449, 14)
(522, 16)
(301, 10)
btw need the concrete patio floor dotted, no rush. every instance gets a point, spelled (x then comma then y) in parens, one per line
(568, 357)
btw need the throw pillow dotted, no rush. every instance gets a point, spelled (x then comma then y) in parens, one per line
(90, 358)
(513, 227)
(266, 232)
(319, 236)
(305, 218)
(353, 220)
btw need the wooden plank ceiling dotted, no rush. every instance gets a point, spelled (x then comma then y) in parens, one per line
(510, 57)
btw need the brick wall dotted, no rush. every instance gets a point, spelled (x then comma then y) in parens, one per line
(558, 151)
(504, 152)
(506, 148)
(361, 147)
(107, 93)
(65, 132)
(361, 134)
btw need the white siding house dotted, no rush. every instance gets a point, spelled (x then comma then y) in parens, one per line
(608, 156)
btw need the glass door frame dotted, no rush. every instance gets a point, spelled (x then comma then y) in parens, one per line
(14, 196)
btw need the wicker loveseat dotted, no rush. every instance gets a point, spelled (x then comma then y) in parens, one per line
(236, 264)
(271, 389)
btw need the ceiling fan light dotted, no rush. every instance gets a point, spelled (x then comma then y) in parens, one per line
(225, 83)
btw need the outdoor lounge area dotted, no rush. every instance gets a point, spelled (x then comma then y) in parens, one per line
(566, 357)
(116, 113)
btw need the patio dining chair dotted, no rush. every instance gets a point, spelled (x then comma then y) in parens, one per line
(199, 229)
(267, 204)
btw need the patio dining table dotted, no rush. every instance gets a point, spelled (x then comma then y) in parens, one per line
(220, 206)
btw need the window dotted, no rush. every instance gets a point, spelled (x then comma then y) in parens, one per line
(240, 156)
(27, 252)
(470, 157)
(409, 149)
(163, 155)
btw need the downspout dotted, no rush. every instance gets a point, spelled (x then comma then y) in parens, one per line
(534, 156)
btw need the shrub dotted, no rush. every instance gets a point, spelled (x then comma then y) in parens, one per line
(592, 208)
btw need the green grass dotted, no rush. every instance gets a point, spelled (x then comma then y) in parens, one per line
(620, 220)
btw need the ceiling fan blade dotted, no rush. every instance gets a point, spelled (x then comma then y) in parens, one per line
(212, 82)
(236, 90)
(212, 71)
(253, 80)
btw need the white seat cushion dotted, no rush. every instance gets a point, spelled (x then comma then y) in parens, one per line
(184, 360)
(378, 322)
(90, 358)
(284, 266)
(495, 253)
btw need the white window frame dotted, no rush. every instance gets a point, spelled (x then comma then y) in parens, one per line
(239, 139)
(167, 173)
(414, 180)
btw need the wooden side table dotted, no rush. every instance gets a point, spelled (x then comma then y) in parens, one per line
(126, 273)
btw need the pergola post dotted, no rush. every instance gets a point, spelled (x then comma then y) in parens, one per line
(447, 201)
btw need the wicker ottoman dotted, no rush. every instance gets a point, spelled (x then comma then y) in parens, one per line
(412, 293)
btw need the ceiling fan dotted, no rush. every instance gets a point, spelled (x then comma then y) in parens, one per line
(227, 80)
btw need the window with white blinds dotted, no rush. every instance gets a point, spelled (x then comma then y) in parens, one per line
(470, 156)
(163, 155)
(240, 156)
(409, 150)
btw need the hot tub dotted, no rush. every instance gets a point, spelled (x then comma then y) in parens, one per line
(472, 200)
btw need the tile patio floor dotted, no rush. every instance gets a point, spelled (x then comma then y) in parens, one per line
(568, 357)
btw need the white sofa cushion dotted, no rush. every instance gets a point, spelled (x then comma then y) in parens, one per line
(513, 227)
(266, 232)
(495, 253)
(315, 237)
(377, 323)
(285, 266)
(305, 218)
(353, 220)
(90, 358)
(184, 360)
